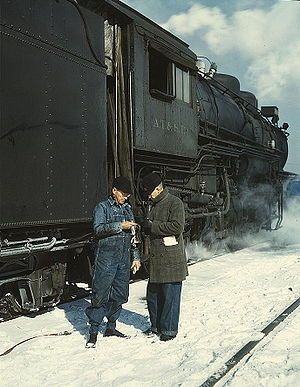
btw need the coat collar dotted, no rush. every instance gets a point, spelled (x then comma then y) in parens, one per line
(112, 202)
(161, 196)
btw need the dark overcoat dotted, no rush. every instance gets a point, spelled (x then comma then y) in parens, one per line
(167, 263)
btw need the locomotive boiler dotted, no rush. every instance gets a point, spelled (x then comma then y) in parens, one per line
(93, 89)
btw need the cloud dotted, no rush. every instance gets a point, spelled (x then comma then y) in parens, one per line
(195, 19)
(269, 40)
(276, 73)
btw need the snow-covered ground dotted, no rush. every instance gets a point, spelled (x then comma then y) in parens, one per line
(226, 302)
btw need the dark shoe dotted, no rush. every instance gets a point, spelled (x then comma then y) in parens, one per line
(91, 343)
(114, 332)
(150, 332)
(166, 337)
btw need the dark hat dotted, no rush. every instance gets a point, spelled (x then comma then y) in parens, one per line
(150, 181)
(122, 183)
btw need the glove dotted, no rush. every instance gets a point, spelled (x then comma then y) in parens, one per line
(139, 219)
(146, 226)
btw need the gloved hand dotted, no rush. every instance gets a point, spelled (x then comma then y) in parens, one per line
(139, 218)
(146, 226)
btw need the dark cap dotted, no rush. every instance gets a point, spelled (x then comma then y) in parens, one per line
(122, 183)
(150, 181)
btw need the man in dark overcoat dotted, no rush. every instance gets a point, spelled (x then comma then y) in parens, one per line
(116, 253)
(167, 260)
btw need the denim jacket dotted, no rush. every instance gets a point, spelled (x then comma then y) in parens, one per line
(113, 242)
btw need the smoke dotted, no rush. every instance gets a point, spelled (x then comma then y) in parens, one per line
(288, 234)
(196, 251)
(199, 251)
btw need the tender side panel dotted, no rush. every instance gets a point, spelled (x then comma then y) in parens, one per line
(53, 114)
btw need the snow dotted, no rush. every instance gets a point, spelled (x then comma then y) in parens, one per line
(276, 362)
(226, 302)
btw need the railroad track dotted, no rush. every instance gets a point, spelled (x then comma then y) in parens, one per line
(247, 348)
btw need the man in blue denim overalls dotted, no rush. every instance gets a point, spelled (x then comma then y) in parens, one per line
(115, 256)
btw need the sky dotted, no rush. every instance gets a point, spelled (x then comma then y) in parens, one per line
(258, 41)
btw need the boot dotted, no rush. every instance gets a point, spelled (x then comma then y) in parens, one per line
(149, 332)
(114, 332)
(166, 337)
(91, 343)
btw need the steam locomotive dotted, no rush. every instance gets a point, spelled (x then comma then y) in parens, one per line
(93, 89)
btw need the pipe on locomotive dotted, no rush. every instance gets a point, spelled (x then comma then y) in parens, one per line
(28, 248)
(198, 213)
(202, 68)
(53, 245)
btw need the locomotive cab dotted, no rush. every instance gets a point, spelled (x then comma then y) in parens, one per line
(152, 114)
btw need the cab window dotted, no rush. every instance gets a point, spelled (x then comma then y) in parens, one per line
(182, 84)
(168, 80)
(160, 73)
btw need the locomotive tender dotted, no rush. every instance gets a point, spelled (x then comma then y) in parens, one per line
(93, 89)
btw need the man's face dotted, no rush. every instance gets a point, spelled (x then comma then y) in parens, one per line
(157, 190)
(119, 196)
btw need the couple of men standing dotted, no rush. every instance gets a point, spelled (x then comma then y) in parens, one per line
(116, 255)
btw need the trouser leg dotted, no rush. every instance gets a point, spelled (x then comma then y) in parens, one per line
(154, 305)
(102, 282)
(171, 308)
(118, 294)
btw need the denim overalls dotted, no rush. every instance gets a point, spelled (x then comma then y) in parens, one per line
(112, 264)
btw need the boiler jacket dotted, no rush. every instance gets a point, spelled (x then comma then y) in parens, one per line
(167, 263)
(112, 264)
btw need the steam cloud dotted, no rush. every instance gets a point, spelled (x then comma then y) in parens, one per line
(288, 234)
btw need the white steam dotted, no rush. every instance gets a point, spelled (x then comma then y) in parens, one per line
(288, 234)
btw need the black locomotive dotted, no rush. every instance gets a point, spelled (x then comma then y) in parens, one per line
(93, 90)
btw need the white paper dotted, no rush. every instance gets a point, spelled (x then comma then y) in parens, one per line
(170, 241)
